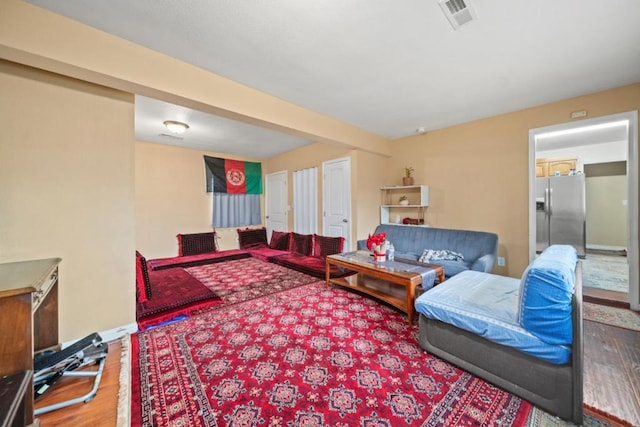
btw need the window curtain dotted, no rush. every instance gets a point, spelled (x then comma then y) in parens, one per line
(305, 201)
(236, 210)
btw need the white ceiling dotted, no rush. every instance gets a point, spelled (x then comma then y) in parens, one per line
(208, 132)
(386, 66)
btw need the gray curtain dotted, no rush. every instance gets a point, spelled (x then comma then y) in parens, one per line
(236, 210)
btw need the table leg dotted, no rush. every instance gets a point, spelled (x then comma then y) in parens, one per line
(327, 271)
(411, 294)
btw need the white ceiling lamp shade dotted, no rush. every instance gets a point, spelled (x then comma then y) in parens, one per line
(458, 12)
(176, 127)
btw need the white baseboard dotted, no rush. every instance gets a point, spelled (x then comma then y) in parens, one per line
(110, 334)
(606, 248)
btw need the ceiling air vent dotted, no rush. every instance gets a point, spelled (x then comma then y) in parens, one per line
(458, 12)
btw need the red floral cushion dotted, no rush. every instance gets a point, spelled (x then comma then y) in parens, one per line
(252, 237)
(279, 240)
(196, 243)
(175, 291)
(143, 286)
(313, 266)
(323, 245)
(301, 243)
(194, 260)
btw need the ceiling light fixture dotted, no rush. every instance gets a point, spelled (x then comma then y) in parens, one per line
(583, 129)
(176, 127)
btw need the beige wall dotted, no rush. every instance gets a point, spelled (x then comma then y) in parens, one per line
(477, 172)
(66, 190)
(306, 157)
(372, 172)
(606, 214)
(171, 198)
(369, 172)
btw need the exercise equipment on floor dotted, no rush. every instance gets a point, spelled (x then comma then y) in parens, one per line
(49, 366)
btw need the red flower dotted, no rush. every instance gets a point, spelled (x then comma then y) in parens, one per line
(376, 239)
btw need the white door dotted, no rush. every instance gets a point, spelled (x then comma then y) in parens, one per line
(276, 202)
(336, 199)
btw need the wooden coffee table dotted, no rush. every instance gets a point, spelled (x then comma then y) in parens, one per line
(392, 282)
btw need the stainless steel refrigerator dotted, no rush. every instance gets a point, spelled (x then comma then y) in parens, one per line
(560, 212)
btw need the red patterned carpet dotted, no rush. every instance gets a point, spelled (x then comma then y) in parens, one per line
(305, 356)
(244, 279)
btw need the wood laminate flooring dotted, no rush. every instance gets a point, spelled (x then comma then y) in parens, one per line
(612, 370)
(99, 412)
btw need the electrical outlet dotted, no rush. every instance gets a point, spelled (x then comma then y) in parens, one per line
(501, 262)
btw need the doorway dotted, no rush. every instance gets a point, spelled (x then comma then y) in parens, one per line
(598, 142)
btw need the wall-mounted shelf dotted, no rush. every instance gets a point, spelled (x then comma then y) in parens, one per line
(418, 196)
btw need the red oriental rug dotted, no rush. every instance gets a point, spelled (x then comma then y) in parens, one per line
(306, 356)
(244, 279)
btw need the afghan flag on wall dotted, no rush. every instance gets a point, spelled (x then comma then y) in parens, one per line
(233, 176)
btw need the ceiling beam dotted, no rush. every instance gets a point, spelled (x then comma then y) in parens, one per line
(39, 38)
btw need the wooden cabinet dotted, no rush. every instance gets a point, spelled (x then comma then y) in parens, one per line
(563, 166)
(549, 167)
(13, 399)
(417, 200)
(28, 317)
(542, 168)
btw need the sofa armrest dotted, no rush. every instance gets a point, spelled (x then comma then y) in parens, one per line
(484, 263)
(362, 245)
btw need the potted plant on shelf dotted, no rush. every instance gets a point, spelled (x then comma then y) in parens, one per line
(407, 179)
(403, 200)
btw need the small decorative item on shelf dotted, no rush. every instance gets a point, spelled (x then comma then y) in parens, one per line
(378, 245)
(407, 179)
(403, 200)
(412, 221)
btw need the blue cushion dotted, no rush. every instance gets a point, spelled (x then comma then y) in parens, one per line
(451, 268)
(406, 255)
(546, 290)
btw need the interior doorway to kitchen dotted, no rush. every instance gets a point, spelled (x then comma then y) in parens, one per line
(604, 149)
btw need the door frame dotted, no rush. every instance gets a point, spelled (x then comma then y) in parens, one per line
(632, 188)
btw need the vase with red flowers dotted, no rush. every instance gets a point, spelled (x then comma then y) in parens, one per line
(378, 246)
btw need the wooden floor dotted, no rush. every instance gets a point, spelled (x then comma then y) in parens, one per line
(99, 412)
(604, 297)
(611, 381)
(612, 370)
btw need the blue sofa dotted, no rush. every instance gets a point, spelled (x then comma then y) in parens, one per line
(523, 335)
(478, 248)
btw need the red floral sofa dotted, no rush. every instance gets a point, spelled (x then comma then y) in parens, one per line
(302, 252)
(197, 249)
(165, 291)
